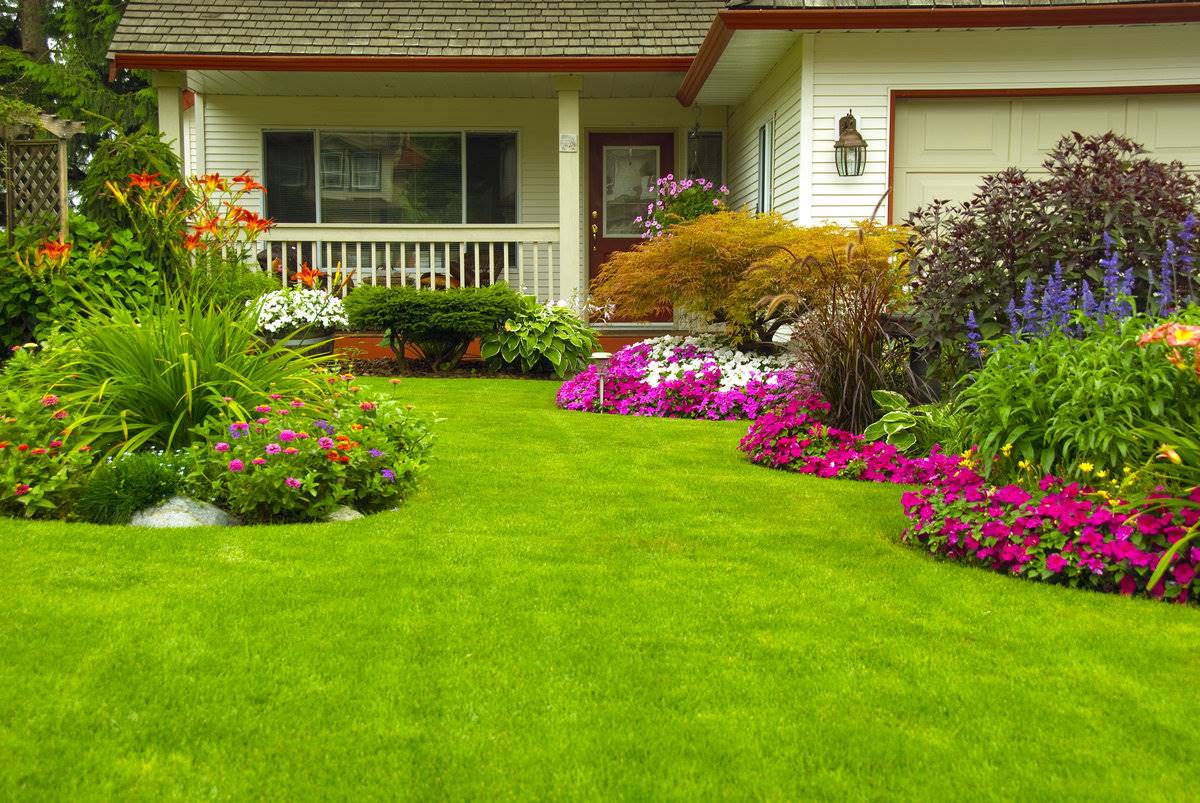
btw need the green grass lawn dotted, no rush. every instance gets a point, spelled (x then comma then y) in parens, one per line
(575, 607)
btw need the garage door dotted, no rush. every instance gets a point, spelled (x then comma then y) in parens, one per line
(943, 146)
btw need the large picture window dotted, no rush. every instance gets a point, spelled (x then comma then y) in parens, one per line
(380, 177)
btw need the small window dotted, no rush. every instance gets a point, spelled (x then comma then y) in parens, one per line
(333, 169)
(706, 156)
(366, 172)
(289, 176)
(765, 178)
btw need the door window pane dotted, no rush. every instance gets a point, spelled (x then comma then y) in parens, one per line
(288, 171)
(629, 173)
(391, 177)
(491, 178)
(706, 158)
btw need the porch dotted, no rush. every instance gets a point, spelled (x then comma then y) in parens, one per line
(499, 177)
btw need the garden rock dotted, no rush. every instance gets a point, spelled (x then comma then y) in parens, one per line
(183, 511)
(344, 513)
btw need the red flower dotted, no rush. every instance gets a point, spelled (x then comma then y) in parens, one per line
(38, 450)
(24, 447)
(20, 489)
(144, 181)
(209, 226)
(193, 241)
(308, 276)
(253, 223)
(85, 448)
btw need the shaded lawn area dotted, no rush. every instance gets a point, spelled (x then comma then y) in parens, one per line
(576, 607)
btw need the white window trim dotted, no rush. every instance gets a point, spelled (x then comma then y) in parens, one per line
(765, 200)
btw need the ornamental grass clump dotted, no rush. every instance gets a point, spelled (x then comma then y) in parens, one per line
(686, 377)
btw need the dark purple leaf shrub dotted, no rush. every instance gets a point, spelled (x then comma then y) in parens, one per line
(1017, 228)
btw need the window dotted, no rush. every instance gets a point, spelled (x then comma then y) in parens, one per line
(379, 177)
(706, 156)
(764, 169)
(291, 189)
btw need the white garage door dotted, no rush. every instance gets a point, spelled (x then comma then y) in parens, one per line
(943, 146)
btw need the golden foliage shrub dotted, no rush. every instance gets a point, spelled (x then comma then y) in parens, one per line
(721, 266)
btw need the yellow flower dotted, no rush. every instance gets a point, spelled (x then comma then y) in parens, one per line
(1166, 452)
(1024, 465)
(1007, 450)
(1086, 468)
(1101, 473)
(1127, 470)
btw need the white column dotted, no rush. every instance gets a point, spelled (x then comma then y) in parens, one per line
(570, 187)
(807, 103)
(170, 87)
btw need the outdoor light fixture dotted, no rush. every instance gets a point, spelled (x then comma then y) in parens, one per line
(850, 150)
(600, 360)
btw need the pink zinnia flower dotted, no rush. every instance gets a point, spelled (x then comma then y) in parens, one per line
(222, 447)
(259, 461)
(274, 448)
(20, 489)
(236, 465)
(274, 396)
(367, 405)
(287, 435)
(263, 408)
(59, 414)
(292, 482)
(49, 400)
(325, 443)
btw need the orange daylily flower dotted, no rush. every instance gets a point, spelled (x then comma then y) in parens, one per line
(253, 223)
(54, 249)
(212, 182)
(209, 226)
(248, 183)
(308, 276)
(144, 181)
(193, 241)
(1176, 336)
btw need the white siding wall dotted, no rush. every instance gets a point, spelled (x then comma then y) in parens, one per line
(777, 99)
(858, 70)
(234, 126)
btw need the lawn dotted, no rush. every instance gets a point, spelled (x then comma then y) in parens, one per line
(577, 607)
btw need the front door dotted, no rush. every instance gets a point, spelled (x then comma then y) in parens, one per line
(622, 169)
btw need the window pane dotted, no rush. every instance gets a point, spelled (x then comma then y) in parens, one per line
(288, 164)
(705, 159)
(491, 178)
(372, 177)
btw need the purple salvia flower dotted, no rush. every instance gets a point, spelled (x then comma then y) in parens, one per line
(1014, 321)
(973, 336)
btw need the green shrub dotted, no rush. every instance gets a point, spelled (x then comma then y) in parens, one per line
(145, 378)
(1061, 401)
(439, 324)
(125, 485)
(916, 429)
(540, 338)
(113, 161)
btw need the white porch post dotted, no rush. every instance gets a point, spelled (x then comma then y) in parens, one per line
(570, 187)
(170, 108)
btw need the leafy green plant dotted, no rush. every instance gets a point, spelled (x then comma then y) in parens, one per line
(145, 378)
(120, 487)
(542, 337)
(915, 429)
(114, 161)
(43, 457)
(1058, 401)
(439, 325)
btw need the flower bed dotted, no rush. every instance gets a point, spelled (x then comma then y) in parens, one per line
(1059, 532)
(686, 377)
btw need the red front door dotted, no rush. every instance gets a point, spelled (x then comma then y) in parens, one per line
(622, 169)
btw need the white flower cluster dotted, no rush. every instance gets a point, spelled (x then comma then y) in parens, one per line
(287, 310)
(737, 367)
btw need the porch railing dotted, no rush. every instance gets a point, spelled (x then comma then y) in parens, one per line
(431, 257)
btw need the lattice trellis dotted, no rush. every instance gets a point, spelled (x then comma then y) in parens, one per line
(34, 182)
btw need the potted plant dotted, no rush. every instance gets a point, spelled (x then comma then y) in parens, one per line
(301, 318)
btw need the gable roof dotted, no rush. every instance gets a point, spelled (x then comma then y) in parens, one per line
(416, 28)
(939, 4)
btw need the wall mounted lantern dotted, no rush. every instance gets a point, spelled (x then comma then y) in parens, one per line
(850, 150)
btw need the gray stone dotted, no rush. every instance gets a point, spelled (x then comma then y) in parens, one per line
(183, 511)
(344, 513)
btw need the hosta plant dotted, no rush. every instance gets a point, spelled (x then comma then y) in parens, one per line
(542, 337)
(915, 428)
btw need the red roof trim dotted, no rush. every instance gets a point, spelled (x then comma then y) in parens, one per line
(815, 19)
(199, 61)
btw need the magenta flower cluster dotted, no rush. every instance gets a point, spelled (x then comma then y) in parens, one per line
(1058, 532)
(683, 381)
(684, 198)
(1063, 533)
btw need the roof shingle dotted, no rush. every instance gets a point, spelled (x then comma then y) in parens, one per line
(416, 27)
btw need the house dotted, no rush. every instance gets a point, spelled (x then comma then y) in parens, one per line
(460, 142)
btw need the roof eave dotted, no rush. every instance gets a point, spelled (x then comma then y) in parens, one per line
(729, 21)
(298, 63)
